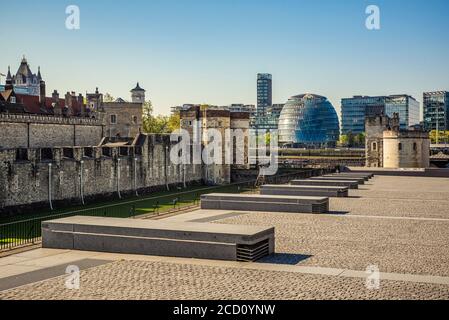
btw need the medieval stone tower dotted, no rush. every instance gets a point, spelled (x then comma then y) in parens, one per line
(388, 146)
(375, 127)
(138, 94)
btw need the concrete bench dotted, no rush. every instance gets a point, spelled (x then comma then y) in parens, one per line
(265, 203)
(156, 237)
(337, 183)
(367, 177)
(317, 191)
(358, 179)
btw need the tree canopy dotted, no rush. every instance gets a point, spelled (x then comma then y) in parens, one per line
(158, 123)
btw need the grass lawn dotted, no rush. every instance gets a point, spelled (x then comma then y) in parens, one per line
(26, 227)
(122, 208)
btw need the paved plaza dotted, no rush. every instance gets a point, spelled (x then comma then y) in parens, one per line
(399, 225)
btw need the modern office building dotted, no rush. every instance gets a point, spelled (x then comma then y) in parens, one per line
(308, 120)
(275, 110)
(406, 106)
(240, 107)
(436, 110)
(355, 110)
(264, 92)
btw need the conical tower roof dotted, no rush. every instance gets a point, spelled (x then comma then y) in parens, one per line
(24, 69)
(9, 77)
(137, 88)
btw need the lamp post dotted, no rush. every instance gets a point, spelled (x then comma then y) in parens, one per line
(135, 176)
(118, 178)
(81, 181)
(166, 168)
(49, 186)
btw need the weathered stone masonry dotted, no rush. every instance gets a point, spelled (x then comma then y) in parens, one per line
(89, 172)
(40, 131)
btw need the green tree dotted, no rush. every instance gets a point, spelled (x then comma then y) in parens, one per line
(158, 124)
(351, 139)
(343, 140)
(108, 98)
(443, 136)
(359, 140)
(174, 122)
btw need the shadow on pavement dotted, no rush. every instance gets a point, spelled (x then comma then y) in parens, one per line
(284, 258)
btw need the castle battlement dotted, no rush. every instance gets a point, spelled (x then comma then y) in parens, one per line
(48, 119)
(406, 134)
(67, 174)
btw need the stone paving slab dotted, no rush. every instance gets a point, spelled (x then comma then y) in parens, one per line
(45, 273)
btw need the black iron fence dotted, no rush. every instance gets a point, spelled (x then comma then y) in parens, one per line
(27, 232)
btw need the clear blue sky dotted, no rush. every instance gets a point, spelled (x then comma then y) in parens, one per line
(206, 51)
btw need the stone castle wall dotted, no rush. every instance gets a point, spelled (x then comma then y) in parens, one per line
(374, 128)
(128, 119)
(36, 131)
(89, 172)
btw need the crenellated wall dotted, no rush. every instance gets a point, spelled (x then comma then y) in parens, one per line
(89, 172)
(39, 131)
(406, 149)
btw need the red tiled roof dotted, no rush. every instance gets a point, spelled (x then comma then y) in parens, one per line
(32, 104)
(5, 94)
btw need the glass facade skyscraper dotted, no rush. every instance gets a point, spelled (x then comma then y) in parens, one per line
(308, 120)
(264, 92)
(407, 108)
(355, 110)
(436, 110)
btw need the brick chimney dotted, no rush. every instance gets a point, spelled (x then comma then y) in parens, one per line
(42, 94)
(57, 108)
(9, 85)
(80, 101)
(68, 104)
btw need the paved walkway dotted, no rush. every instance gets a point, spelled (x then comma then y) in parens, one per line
(317, 256)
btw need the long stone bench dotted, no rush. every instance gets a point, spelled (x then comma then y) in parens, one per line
(156, 237)
(266, 203)
(367, 177)
(310, 182)
(317, 191)
(359, 180)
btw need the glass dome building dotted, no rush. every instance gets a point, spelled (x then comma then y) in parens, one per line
(308, 120)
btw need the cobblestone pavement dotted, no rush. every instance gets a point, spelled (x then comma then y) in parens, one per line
(376, 226)
(399, 246)
(391, 207)
(160, 280)
(398, 196)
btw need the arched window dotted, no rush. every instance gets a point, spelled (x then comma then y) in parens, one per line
(415, 146)
(374, 146)
(400, 146)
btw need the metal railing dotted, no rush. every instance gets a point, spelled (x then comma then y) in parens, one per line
(28, 232)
